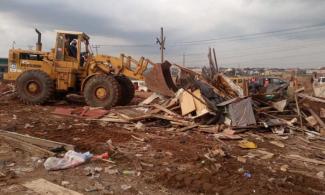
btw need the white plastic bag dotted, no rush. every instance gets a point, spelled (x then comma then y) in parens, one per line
(70, 159)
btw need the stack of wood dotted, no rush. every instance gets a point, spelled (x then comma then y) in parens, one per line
(312, 112)
(33, 145)
(191, 106)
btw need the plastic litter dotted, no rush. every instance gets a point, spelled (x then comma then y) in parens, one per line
(70, 159)
(247, 174)
(247, 144)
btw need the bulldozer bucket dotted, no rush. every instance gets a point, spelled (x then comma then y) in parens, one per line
(159, 79)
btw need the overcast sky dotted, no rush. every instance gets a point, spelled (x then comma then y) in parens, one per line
(255, 33)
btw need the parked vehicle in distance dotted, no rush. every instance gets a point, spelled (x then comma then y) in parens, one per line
(267, 84)
(140, 86)
(321, 80)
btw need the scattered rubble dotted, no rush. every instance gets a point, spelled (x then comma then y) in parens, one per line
(210, 132)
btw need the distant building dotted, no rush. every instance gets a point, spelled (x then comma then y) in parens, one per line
(3, 66)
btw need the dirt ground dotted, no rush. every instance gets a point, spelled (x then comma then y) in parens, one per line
(166, 162)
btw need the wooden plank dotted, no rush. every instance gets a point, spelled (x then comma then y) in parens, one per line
(187, 103)
(37, 141)
(187, 128)
(109, 119)
(129, 113)
(322, 113)
(165, 110)
(42, 186)
(150, 99)
(315, 99)
(298, 110)
(141, 117)
(179, 121)
(311, 121)
(26, 146)
(319, 120)
(304, 159)
(201, 109)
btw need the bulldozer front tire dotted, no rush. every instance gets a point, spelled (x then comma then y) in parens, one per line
(127, 90)
(34, 87)
(102, 91)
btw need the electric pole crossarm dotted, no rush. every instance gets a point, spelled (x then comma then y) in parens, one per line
(161, 42)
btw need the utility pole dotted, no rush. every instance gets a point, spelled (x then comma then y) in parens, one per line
(13, 44)
(184, 59)
(96, 48)
(161, 42)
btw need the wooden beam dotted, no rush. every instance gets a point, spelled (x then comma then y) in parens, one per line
(318, 119)
(36, 141)
(179, 121)
(298, 110)
(304, 159)
(165, 110)
(42, 186)
(187, 128)
(315, 99)
(26, 146)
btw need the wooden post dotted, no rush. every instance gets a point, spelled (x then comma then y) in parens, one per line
(298, 110)
(161, 42)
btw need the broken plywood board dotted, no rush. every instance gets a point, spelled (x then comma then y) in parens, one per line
(42, 186)
(36, 141)
(201, 109)
(187, 103)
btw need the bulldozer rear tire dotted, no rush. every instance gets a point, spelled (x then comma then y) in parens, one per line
(34, 87)
(102, 91)
(127, 90)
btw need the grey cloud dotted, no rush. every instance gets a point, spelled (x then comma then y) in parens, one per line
(138, 22)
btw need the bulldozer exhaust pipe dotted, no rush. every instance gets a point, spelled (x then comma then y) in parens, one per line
(39, 40)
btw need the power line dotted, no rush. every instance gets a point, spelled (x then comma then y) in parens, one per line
(261, 59)
(96, 48)
(227, 38)
(134, 45)
(283, 57)
(270, 50)
(243, 38)
(255, 34)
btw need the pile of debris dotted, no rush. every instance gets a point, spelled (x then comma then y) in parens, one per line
(211, 102)
(7, 91)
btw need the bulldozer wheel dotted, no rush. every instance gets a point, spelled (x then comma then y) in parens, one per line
(127, 90)
(102, 91)
(34, 87)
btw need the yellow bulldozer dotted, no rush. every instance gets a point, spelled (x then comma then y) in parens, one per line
(70, 66)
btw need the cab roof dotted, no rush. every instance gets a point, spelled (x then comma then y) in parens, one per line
(73, 32)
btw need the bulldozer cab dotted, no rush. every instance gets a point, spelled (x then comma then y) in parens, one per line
(71, 49)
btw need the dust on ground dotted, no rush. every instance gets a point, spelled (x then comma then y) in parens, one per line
(165, 162)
